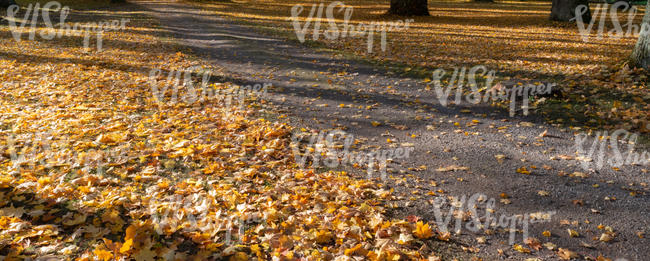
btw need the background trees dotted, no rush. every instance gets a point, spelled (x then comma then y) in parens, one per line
(565, 10)
(641, 54)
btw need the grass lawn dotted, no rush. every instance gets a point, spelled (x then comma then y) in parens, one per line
(514, 38)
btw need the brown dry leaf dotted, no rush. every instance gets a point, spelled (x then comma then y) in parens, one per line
(75, 219)
(606, 237)
(579, 174)
(526, 124)
(533, 243)
(452, 168)
(549, 246)
(12, 211)
(543, 134)
(401, 127)
(566, 254)
(583, 244)
(602, 258)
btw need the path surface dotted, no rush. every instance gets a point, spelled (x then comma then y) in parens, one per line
(307, 79)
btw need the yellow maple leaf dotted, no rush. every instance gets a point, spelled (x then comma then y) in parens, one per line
(422, 230)
(103, 254)
(128, 238)
(126, 246)
(523, 170)
(573, 233)
(111, 138)
(520, 248)
(356, 250)
(323, 236)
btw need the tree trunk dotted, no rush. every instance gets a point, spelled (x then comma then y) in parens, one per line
(409, 7)
(484, 1)
(565, 10)
(641, 54)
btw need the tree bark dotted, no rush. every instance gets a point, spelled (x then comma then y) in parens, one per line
(565, 10)
(641, 54)
(409, 7)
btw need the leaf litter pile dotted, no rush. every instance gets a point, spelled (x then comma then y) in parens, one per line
(93, 167)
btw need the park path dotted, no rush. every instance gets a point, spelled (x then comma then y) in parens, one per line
(311, 85)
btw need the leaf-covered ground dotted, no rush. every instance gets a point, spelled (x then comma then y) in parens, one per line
(93, 167)
(514, 38)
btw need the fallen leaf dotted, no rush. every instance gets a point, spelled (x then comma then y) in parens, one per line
(566, 254)
(452, 168)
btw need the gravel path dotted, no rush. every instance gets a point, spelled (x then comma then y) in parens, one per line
(466, 136)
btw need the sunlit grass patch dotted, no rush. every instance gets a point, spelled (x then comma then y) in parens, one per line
(515, 38)
(75, 4)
